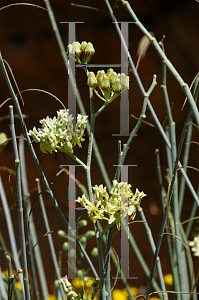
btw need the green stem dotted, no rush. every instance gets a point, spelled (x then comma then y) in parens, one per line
(39, 167)
(10, 277)
(20, 207)
(179, 253)
(151, 241)
(162, 197)
(158, 124)
(169, 65)
(135, 130)
(168, 202)
(10, 231)
(50, 240)
(33, 235)
(89, 184)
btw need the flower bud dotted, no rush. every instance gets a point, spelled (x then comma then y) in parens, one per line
(62, 234)
(113, 77)
(116, 85)
(83, 241)
(56, 284)
(80, 273)
(90, 49)
(82, 223)
(105, 84)
(83, 45)
(72, 253)
(65, 246)
(94, 252)
(89, 234)
(92, 81)
(127, 82)
(110, 71)
(100, 75)
(124, 81)
(76, 48)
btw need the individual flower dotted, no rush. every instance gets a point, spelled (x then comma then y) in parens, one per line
(168, 279)
(113, 207)
(93, 213)
(110, 84)
(101, 195)
(82, 52)
(57, 134)
(195, 245)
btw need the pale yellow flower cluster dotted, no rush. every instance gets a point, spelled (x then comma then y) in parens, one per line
(57, 134)
(118, 204)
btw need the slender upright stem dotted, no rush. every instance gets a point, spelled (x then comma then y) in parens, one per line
(179, 252)
(169, 197)
(55, 203)
(152, 244)
(157, 47)
(10, 277)
(33, 235)
(20, 207)
(50, 240)
(158, 124)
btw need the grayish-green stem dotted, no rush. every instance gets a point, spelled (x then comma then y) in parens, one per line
(10, 231)
(3, 293)
(162, 198)
(158, 124)
(169, 197)
(50, 240)
(179, 251)
(55, 203)
(26, 201)
(20, 207)
(10, 277)
(152, 244)
(33, 234)
(89, 184)
(135, 130)
(2, 288)
(169, 65)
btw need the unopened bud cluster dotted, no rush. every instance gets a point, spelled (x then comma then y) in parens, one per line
(82, 52)
(111, 84)
(120, 203)
(57, 133)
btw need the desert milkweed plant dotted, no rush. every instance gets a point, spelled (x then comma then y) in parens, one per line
(110, 207)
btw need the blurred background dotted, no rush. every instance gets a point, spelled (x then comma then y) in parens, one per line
(28, 44)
